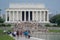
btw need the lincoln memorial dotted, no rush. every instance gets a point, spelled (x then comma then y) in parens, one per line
(27, 12)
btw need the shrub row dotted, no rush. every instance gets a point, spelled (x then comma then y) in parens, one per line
(48, 25)
(5, 25)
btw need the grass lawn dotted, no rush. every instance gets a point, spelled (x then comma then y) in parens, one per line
(54, 31)
(4, 36)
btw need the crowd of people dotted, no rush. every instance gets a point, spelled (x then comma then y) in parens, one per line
(21, 33)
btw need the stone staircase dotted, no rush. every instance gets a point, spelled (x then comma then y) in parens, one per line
(26, 26)
(31, 26)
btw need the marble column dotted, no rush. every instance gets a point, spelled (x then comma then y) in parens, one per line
(36, 15)
(44, 16)
(40, 16)
(17, 15)
(21, 15)
(33, 15)
(13, 16)
(9, 16)
(6, 16)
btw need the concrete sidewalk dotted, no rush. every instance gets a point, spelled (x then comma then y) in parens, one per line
(24, 38)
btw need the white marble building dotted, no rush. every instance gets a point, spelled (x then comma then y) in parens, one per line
(27, 12)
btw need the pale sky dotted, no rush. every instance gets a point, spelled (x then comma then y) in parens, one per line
(52, 5)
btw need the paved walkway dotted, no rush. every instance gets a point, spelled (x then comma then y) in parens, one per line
(24, 38)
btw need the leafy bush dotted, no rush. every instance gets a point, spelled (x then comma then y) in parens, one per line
(53, 30)
(48, 25)
(54, 25)
(5, 25)
(9, 25)
(55, 19)
(1, 20)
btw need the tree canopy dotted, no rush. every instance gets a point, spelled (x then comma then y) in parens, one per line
(1, 20)
(55, 19)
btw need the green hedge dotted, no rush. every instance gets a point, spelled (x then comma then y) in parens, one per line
(5, 25)
(53, 30)
(48, 25)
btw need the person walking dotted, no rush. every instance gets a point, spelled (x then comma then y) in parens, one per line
(29, 33)
(25, 33)
(17, 33)
(20, 32)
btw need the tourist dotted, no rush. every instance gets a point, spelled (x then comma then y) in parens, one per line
(17, 33)
(25, 33)
(21, 33)
(28, 33)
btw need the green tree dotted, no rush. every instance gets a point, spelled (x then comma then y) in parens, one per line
(55, 19)
(1, 20)
(58, 21)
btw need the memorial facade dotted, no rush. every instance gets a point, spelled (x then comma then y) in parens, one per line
(27, 12)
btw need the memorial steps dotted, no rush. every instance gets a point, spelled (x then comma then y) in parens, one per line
(33, 27)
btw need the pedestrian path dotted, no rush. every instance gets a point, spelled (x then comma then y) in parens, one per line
(24, 38)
